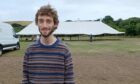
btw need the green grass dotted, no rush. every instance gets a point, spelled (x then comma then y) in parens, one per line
(124, 46)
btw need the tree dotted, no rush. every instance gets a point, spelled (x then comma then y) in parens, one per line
(110, 21)
(17, 27)
(130, 26)
(131, 31)
(138, 28)
(68, 21)
(107, 19)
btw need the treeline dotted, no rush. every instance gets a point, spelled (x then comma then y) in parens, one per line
(17, 27)
(130, 26)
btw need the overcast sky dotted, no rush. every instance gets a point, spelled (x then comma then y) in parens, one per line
(12, 10)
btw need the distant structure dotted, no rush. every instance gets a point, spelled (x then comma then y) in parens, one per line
(69, 28)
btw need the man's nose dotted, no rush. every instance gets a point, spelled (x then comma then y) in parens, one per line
(45, 24)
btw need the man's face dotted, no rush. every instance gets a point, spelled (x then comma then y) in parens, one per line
(46, 25)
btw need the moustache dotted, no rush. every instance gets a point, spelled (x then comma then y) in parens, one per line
(52, 30)
(49, 28)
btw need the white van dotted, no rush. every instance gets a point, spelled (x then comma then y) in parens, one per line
(8, 39)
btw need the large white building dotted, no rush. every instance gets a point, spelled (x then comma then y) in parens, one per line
(76, 28)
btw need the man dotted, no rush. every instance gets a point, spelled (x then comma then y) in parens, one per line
(48, 60)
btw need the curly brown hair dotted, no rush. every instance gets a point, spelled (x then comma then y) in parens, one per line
(48, 11)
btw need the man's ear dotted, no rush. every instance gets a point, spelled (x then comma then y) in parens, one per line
(56, 25)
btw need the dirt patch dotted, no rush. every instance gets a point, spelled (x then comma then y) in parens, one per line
(107, 68)
(10, 70)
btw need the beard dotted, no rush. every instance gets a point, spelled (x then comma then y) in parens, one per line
(50, 32)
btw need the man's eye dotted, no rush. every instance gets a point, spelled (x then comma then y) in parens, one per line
(48, 21)
(40, 21)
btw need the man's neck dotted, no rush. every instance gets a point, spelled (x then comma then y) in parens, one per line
(49, 40)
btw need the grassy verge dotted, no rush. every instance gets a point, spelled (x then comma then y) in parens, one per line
(123, 46)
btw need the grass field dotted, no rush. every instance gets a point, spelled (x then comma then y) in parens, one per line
(97, 62)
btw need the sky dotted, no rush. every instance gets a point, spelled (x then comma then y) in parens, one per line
(17, 10)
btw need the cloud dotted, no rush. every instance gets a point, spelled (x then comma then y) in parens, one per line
(70, 9)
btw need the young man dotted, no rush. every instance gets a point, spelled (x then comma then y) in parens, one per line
(48, 60)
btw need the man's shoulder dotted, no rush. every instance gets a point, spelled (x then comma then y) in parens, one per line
(63, 45)
(33, 45)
